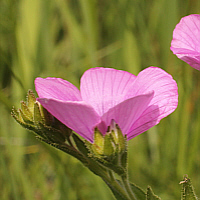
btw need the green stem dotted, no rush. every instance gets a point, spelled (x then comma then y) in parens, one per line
(109, 179)
(128, 187)
(116, 188)
(120, 189)
(112, 177)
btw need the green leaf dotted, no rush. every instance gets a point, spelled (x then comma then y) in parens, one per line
(151, 195)
(139, 193)
(187, 190)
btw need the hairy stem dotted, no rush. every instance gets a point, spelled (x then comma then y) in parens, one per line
(128, 188)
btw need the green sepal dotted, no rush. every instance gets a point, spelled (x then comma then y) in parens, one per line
(55, 123)
(31, 101)
(26, 118)
(103, 160)
(17, 116)
(25, 110)
(81, 145)
(98, 142)
(151, 195)
(41, 129)
(39, 132)
(187, 192)
(124, 159)
(37, 117)
(50, 133)
(108, 149)
(47, 118)
(113, 135)
(122, 140)
(93, 149)
(89, 146)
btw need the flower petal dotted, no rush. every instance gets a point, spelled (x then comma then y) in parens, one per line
(192, 60)
(151, 117)
(78, 116)
(56, 88)
(126, 113)
(103, 88)
(186, 40)
(163, 103)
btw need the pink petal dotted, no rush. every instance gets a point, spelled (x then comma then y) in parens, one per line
(126, 113)
(186, 40)
(103, 88)
(163, 103)
(56, 88)
(192, 60)
(151, 117)
(78, 116)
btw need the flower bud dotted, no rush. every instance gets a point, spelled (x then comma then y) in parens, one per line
(34, 117)
(110, 149)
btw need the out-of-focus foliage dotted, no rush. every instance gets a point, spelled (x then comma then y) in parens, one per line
(63, 38)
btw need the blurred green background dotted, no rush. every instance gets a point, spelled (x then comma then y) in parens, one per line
(63, 38)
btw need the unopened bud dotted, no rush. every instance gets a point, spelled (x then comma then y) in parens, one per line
(110, 149)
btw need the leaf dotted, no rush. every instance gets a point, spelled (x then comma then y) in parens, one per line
(187, 190)
(139, 193)
(151, 195)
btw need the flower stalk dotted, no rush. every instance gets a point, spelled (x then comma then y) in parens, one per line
(128, 187)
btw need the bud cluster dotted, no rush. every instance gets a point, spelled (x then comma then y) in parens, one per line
(110, 149)
(34, 117)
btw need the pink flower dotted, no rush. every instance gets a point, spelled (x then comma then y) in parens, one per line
(186, 40)
(136, 103)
